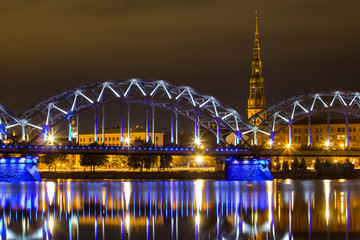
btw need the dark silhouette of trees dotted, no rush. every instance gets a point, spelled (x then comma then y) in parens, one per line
(277, 164)
(141, 161)
(317, 164)
(50, 159)
(88, 160)
(295, 165)
(165, 161)
(285, 166)
(303, 166)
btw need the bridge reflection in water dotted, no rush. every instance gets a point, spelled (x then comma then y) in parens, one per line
(180, 210)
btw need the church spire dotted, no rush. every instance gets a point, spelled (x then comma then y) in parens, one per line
(257, 100)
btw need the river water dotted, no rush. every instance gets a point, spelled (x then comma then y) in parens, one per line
(280, 209)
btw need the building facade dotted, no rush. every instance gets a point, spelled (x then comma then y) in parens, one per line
(112, 137)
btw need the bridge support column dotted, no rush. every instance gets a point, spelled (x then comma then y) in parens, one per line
(217, 133)
(290, 135)
(121, 123)
(147, 123)
(255, 138)
(172, 126)
(153, 124)
(95, 125)
(309, 130)
(328, 127)
(347, 129)
(19, 170)
(23, 132)
(128, 122)
(70, 138)
(176, 129)
(247, 170)
(77, 128)
(196, 129)
(103, 124)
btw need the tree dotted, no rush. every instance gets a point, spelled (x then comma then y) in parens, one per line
(165, 161)
(285, 166)
(317, 164)
(141, 161)
(50, 159)
(92, 161)
(295, 165)
(303, 166)
(277, 164)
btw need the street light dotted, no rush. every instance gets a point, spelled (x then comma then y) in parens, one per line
(288, 145)
(127, 140)
(327, 144)
(197, 141)
(51, 139)
(270, 142)
(199, 159)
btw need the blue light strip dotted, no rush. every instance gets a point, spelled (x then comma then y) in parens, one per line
(28, 160)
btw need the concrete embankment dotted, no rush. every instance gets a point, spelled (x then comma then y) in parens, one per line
(166, 175)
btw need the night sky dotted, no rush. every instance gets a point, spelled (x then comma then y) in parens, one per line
(50, 46)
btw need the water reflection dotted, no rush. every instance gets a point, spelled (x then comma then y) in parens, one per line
(180, 210)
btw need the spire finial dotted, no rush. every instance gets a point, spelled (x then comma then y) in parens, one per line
(256, 19)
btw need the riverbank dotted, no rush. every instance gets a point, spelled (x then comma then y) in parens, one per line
(164, 175)
(182, 175)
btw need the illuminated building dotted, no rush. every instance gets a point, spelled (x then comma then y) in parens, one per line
(257, 100)
(112, 137)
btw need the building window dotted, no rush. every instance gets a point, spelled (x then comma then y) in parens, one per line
(338, 130)
(295, 130)
(343, 129)
(321, 130)
(117, 139)
(317, 130)
(354, 129)
(332, 130)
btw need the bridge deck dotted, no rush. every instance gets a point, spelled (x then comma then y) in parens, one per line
(174, 150)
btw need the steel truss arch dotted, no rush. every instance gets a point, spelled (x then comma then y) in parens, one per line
(8, 120)
(285, 113)
(210, 113)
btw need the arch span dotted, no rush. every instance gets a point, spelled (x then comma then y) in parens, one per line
(284, 114)
(204, 110)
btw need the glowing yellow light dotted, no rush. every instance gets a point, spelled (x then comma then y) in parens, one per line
(51, 223)
(327, 143)
(51, 139)
(202, 147)
(288, 145)
(199, 159)
(335, 160)
(197, 141)
(270, 142)
(342, 145)
(127, 140)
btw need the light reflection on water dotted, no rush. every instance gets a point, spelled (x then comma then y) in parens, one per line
(181, 210)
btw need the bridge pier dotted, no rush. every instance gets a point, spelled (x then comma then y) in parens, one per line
(19, 170)
(247, 170)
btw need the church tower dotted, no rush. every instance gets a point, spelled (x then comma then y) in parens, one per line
(257, 100)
